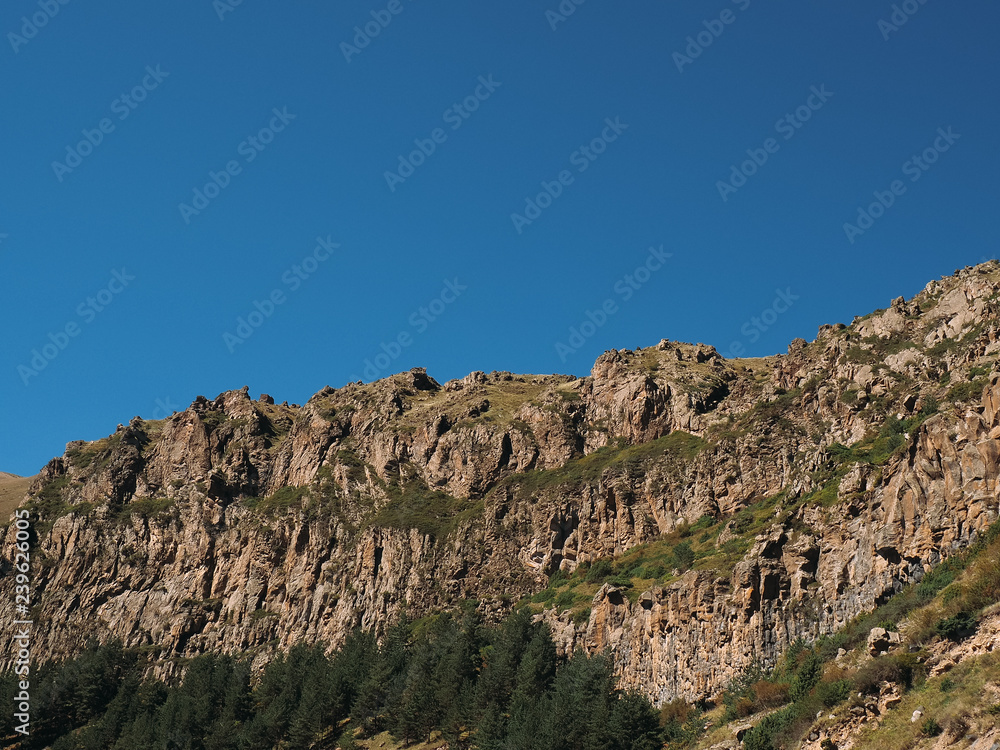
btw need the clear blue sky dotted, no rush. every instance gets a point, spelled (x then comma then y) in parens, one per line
(208, 85)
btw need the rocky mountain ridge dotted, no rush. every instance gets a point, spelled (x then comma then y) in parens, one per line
(833, 476)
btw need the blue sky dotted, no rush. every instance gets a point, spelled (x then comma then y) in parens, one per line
(478, 187)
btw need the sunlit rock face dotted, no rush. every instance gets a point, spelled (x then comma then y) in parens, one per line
(238, 525)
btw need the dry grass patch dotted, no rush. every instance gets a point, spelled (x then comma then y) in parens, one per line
(12, 491)
(506, 397)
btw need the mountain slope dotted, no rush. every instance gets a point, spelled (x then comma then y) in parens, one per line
(818, 483)
(12, 491)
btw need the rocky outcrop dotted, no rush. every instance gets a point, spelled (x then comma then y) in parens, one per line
(242, 525)
(881, 640)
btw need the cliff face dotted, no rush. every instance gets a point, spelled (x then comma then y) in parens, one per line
(241, 525)
(690, 637)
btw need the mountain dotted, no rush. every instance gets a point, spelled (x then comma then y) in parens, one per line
(691, 514)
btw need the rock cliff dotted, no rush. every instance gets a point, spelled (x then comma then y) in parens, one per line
(835, 474)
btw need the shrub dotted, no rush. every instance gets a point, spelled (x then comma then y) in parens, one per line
(745, 707)
(930, 728)
(600, 570)
(145, 507)
(680, 721)
(557, 578)
(942, 347)
(860, 355)
(930, 407)
(951, 594)
(832, 693)
(631, 571)
(761, 737)
(49, 504)
(279, 502)
(566, 598)
(675, 714)
(736, 547)
(901, 669)
(738, 695)
(967, 391)
(890, 439)
(934, 581)
(543, 596)
(653, 570)
(984, 587)
(958, 727)
(684, 555)
(742, 522)
(705, 522)
(769, 694)
(794, 655)
(807, 676)
(956, 627)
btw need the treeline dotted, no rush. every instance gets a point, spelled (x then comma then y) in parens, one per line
(493, 688)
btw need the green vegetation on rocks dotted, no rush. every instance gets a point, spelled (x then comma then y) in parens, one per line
(620, 457)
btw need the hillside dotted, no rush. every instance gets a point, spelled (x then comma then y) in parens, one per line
(12, 491)
(688, 513)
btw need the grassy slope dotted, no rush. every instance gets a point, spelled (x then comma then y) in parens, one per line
(12, 491)
(963, 702)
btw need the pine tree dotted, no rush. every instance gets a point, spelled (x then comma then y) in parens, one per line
(634, 724)
(379, 695)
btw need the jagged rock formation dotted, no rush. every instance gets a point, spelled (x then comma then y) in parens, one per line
(241, 525)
